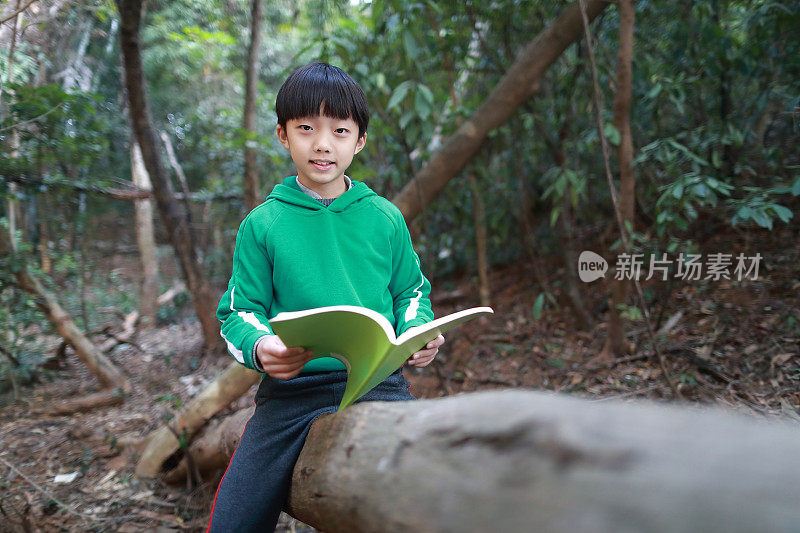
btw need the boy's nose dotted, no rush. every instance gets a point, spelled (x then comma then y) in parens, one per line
(322, 145)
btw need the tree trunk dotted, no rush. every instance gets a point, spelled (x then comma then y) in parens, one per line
(174, 219)
(163, 442)
(622, 109)
(528, 461)
(236, 379)
(251, 195)
(176, 167)
(12, 204)
(516, 86)
(145, 238)
(479, 216)
(615, 339)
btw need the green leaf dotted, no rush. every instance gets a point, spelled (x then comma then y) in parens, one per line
(716, 159)
(783, 213)
(677, 191)
(410, 44)
(554, 215)
(611, 133)
(743, 214)
(398, 95)
(421, 106)
(427, 94)
(701, 190)
(761, 218)
(538, 305)
(796, 187)
(405, 119)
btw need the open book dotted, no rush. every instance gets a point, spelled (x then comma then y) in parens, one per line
(362, 339)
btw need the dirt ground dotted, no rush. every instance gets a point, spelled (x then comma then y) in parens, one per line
(731, 343)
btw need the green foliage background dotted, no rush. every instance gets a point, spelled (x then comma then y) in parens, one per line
(715, 118)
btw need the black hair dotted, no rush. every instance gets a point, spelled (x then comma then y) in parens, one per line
(312, 86)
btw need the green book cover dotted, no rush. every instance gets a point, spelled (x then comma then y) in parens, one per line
(362, 339)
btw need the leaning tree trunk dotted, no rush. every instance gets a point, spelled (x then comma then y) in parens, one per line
(175, 220)
(236, 379)
(109, 376)
(532, 461)
(516, 86)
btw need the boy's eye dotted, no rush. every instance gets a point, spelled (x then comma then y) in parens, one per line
(340, 130)
(305, 127)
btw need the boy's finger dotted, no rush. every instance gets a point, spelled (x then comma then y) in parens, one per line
(284, 367)
(294, 352)
(421, 362)
(423, 354)
(284, 375)
(435, 343)
(426, 353)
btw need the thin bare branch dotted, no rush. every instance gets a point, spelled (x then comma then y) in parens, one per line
(17, 12)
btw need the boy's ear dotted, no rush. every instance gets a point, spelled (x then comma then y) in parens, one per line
(282, 137)
(360, 143)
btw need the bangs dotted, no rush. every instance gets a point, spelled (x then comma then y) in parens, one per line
(320, 85)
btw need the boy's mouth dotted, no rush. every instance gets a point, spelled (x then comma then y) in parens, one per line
(322, 164)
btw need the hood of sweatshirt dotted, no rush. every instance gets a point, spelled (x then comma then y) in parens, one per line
(288, 192)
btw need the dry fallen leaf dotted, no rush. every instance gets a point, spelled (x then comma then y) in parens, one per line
(781, 359)
(65, 478)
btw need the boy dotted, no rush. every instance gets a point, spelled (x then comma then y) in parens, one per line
(319, 239)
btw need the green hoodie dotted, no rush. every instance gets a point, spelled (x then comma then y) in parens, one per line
(293, 253)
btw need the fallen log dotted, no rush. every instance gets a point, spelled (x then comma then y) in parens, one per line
(234, 381)
(528, 461)
(82, 404)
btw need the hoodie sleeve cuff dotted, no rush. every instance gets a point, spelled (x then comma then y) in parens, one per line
(256, 362)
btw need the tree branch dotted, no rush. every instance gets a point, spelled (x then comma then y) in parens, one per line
(17, 12)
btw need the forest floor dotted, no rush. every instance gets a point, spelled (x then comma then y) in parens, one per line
(732, 344)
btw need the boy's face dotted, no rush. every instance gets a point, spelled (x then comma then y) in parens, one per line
(322, 148)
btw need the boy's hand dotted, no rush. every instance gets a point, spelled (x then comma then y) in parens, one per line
(279, 361)
(426, 355)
